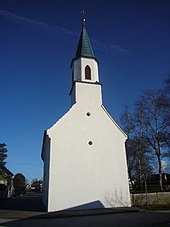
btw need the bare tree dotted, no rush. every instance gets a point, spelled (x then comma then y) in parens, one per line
(148, 130)
(136, 146)
(155, 119)
(167, 85)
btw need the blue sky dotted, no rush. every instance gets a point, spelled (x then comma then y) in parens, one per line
(38, 39)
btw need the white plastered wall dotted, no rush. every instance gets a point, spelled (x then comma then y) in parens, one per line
(81, 173)
(79, 69)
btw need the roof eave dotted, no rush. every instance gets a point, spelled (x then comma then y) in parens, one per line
(83, 56)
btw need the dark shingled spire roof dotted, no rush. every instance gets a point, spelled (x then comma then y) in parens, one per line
(84, 47)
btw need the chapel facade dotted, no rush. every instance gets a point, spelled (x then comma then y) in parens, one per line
(84, 156)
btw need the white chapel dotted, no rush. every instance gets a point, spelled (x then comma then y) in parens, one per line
(84, 156)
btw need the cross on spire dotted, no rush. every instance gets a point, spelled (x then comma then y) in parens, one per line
(83, 14)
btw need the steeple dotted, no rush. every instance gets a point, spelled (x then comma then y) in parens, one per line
(84, 47)
(85, 77)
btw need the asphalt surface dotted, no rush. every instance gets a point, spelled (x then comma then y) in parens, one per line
(28, 211)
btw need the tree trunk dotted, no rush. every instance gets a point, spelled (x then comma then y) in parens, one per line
(160, 172)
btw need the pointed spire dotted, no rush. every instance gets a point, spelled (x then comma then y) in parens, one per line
(84, 47)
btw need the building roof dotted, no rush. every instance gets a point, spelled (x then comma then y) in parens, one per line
(84, 47)
(5, 171)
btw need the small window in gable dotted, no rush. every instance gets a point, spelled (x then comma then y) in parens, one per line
(87, 73)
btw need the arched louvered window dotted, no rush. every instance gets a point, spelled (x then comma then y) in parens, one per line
(87, 73)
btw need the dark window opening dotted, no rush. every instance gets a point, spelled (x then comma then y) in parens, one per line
(87, 73)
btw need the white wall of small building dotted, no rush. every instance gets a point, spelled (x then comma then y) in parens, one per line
(80, 173)
(46, 157)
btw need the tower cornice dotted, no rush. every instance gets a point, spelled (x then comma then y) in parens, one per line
(76, 58)
(73, 84)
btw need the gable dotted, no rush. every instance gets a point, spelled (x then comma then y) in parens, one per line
(114, 122)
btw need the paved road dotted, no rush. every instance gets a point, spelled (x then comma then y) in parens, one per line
(33, 215)
(133, 219)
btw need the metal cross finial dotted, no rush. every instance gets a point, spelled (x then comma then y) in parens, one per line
(83, 14)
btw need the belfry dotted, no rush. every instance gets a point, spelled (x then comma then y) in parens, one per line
(84, 156)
